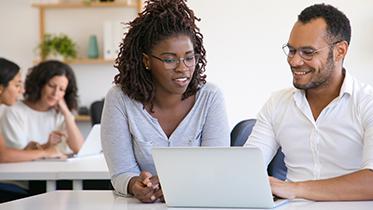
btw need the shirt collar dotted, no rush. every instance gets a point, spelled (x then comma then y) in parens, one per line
(347, 84)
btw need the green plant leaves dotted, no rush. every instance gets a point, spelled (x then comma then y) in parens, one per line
(57, 44)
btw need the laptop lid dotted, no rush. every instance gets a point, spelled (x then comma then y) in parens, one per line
(92, 144)
(232, 177)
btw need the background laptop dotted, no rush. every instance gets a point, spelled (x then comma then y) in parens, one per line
(232, 177)
(91, 146)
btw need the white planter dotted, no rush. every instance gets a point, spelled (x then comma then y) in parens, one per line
(54, 56)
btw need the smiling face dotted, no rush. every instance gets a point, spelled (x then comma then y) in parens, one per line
(317, 72)
(53, 91)
(10, 94)
(171, 80)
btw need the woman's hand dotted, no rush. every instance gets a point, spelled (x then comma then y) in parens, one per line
(54, 152)
(146, 188)
(33, 145)
(62, 107)
(55, 137)
(74, 138)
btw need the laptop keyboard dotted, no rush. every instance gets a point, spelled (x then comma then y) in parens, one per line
(70, 155)
(275, 198)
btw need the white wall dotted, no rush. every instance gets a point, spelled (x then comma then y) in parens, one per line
(243, 40)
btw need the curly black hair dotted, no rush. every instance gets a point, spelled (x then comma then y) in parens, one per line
(39, 76)
(160, 20)
(338, 25)
(8, 70)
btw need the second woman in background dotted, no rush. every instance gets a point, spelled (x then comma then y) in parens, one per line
(161, 98)
(44, 118)
(11, 87)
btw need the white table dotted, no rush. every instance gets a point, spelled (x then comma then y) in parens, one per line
(99, 200)
(93, 167)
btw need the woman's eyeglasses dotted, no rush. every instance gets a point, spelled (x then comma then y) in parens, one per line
(172, 62)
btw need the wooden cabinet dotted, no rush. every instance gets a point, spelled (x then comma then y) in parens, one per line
(42, 7)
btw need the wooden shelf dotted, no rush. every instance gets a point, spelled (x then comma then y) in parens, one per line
(84, 61)
(90, 61)
(83, 118)
(83, 5)
(42, 7)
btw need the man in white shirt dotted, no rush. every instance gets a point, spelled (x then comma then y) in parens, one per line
(325, 124)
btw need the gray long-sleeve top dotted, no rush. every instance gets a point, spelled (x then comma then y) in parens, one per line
(129, 132)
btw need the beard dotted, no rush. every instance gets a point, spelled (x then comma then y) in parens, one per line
(322, 79)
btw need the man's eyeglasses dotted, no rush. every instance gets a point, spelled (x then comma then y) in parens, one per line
(172, 62)
(306, 53)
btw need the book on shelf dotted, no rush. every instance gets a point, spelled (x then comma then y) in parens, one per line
(112, 35)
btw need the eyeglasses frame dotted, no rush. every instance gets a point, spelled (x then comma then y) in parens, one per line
(302, 55)
(179, 60)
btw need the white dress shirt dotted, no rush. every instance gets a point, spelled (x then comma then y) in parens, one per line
(339, 142)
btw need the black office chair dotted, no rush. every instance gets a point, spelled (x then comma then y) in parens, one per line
(96, 111)
(9, 192)
(241, 132)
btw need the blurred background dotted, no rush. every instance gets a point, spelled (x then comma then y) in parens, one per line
(243, 40)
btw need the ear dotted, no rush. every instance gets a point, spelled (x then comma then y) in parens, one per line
(1, 89)
(146, 61)
(341, 49)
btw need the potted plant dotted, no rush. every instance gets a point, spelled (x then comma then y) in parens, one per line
(59, 47)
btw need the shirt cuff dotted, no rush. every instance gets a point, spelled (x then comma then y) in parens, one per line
(120, 183)
(369, 166)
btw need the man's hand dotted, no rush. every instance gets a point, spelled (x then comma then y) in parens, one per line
(283, 189)
(146, 187)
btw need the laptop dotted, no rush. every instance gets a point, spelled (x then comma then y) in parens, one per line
(226, 177)
(91, 146)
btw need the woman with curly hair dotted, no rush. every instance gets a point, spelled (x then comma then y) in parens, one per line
(161, 98)
(44, 118)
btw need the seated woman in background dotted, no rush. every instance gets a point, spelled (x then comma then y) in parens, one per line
(161, 98)
(11, 87)
(44, 118)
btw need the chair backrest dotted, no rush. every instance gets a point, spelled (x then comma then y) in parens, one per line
(277, 167)
(96, 111)
(241, 132)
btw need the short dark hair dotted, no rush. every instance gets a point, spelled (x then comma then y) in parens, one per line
(161, 19)
(39, 76)
(8, 70)
(338, 25)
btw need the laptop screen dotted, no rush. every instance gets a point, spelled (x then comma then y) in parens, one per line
(213, 177)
